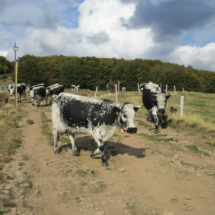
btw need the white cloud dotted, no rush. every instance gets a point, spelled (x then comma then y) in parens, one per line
(100, 32)
(198, 57)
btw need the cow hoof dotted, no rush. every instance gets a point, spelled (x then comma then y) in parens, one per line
(105, 164)
(76, 153)
(156, 129)
(57, 151)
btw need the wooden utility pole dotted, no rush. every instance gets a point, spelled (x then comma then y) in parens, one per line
(15, 90)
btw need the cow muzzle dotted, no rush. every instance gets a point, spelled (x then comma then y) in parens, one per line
(132, 130)
(162, 111)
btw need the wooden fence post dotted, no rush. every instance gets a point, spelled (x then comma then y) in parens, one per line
(174, 88)
(182, 106)
(116, 93)
(166, 87)
(138, 87)
(96, 91)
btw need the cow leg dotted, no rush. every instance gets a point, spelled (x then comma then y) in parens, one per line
(56, 137)
(163, 121)
(75, 150)
(156, 120)
(102, 151)
(150, 116)
(101, 148)
(95, 152)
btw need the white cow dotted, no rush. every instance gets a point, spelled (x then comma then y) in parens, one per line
(73, 114)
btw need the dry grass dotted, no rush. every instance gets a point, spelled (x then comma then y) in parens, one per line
(198, 107)
(10, 134)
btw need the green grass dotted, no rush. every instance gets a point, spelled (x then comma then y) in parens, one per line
(199, 114)
(156, 138)
(30, 121)
(45, 127)
(210, 144)
(25, 158)
(194, 149)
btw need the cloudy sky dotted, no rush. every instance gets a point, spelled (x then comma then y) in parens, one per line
(176, 31)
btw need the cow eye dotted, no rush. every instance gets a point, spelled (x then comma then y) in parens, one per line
(124, 115)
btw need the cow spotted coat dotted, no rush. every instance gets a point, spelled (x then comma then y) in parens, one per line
(73, 114)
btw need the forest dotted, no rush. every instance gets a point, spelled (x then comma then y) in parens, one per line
(92, 72)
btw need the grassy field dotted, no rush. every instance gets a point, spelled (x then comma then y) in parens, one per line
(10, 132)
(199, 115)
(199, 111)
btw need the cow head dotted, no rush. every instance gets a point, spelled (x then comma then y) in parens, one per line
(32, 93)
(11, 91)
(126, 117)
(161, 99)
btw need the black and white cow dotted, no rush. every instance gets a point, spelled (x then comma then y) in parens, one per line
(38, 93)
(73, 87)
(24, 87)
(19, 91)
(123, 89)
(73, 114)
(9, 87)
(154, 100)
(55, 91)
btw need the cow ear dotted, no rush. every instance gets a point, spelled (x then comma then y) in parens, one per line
(116, 110)
(136, 109)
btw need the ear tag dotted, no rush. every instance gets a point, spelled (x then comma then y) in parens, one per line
(117, 113)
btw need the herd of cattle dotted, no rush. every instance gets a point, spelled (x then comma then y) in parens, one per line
(37, 92)
(98, 117)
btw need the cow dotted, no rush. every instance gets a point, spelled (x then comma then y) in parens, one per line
(38, 93)
(9, 87)
(97, 117)
(123, 89)
(154, 100)
(73, 87)
(19, 91)
(54, 91)
(24, 87)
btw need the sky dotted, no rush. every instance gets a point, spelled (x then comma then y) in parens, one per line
(175, 31)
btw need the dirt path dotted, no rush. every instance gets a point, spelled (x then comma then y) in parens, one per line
(148, 174)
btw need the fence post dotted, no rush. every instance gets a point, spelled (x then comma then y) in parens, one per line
(16, 74)
(182, 106)
(138, 87)
(174, 88)
(96, 91)
(166, 87)
(116, 93)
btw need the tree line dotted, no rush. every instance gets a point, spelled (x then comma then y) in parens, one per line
(92, 72)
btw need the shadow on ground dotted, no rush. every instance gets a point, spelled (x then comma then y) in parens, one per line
(111, 148)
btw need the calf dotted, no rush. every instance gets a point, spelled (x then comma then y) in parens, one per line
(98, 117)
(38, 93)
(19, 91)
(154, 100)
